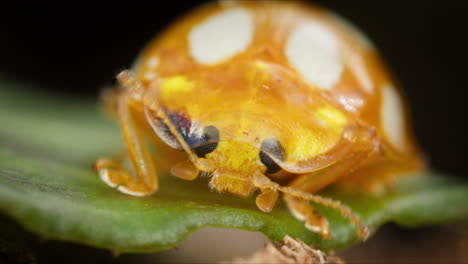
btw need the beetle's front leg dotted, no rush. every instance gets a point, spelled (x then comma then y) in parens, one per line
(315, 181)
(297, 205)
(267, 199)
(304, 211)
(298, 199)
(145, 181)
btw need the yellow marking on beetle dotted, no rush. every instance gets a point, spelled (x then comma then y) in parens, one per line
(310, 142)
(307, 144)
(176, 85)
(261, 65)
(333, 117)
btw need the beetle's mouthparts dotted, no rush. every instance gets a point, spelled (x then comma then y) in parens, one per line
(232, 183)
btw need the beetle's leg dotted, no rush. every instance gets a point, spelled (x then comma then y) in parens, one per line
(267, 199)
(109, 98)
(315, 181)
(297, 200)
(185, 170)
(304, 211)
(381, 175)
(145, 180)
(299, 207)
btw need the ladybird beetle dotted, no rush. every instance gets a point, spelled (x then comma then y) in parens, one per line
(268, 96)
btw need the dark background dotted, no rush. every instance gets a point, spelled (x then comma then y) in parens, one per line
(75, 49)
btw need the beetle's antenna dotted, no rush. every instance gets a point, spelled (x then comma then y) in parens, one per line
(362, 229)
(159, 111)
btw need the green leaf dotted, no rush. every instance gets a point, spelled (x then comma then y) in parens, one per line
(47, 146)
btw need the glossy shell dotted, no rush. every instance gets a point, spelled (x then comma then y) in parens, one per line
(279, 70)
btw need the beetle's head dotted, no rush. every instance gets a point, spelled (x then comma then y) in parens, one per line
(234, 165)
(231, 152)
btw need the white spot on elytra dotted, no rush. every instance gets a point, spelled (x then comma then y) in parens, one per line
(392, 115)
(221, 36)
(313, 51)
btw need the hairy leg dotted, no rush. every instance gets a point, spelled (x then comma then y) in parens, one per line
(144, 181)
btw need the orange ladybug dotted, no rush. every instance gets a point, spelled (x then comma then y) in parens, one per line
(274, 96)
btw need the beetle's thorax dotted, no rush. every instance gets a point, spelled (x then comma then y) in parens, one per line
(235, 165)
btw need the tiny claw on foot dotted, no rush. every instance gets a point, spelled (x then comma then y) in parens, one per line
(317, 223)
(114, 175)
(123, 182)
(266, 200)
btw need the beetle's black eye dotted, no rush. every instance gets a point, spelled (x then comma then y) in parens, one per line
(271, 147)
(202, 150)
(210, 139)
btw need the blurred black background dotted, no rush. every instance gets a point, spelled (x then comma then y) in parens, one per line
(76, 48)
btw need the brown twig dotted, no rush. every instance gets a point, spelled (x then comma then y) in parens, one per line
(292, 251)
